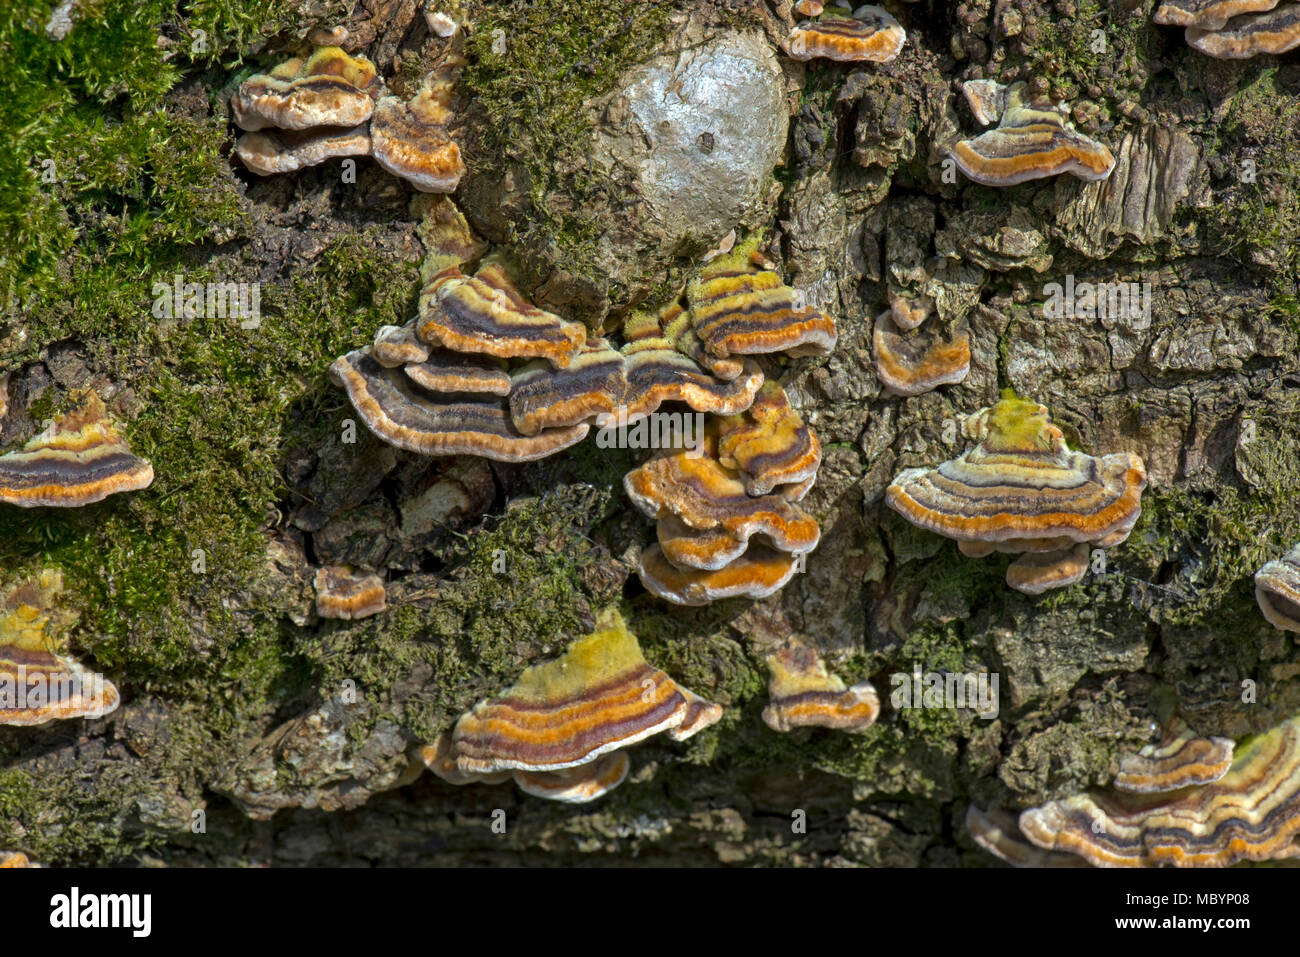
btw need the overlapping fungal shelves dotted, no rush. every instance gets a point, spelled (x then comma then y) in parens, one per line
(1021, 490)
(561, 729)
(1234, 29)
(1248, 811)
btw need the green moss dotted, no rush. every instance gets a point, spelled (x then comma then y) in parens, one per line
(1095, 46)
(93, 161)
(1256, 216)
(557, 55)
(1197, 551)
(519, 575)
(217, 404)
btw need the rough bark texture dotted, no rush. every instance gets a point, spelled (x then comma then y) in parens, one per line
(239, 702)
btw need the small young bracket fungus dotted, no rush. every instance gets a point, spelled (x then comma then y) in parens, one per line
(486, 314)
(329, 88)
(1021, 482)
(1180, 760)
(921, 361)
(1277, 590)
(1036, 572)
(440, 24)
(328, 36)
(739, 305)
(1275, 32)
(342, 592)
(909, 311)
(870, 35)
(15, 859)
(758, 573)
(704, 495)
(1208, 14)
(809, 8)
(37, 684)
(599, 696)
(802, 693)
(410, 139)
(1252, 813)
(268, 152)
(401, 414)
(592, 384)
(577, 785)
(397, 345)
(998, 832)
(83, 460)
(1029, 142)
(987, 99)
(768, 443)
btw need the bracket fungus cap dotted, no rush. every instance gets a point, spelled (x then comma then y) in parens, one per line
(1180, 760)
(1207, 14)
(1022, 482)
(580, 784)
(83, 459)
(400, 414)
(758, 573)
(448, 240)
(802, 693)
(451, 373)
(592, 384)
(998, 832)
(678, 332)
(739, 305)
(342, 592)
(700, 714)
(397, 345)
(440, 758)
(706, 549)
(910, 311)
(37, 683)
(919, 362)
(329, 88)
(486, 314)
(987, 99)
(1036, 572)
(599, 696)
(1252, 813)
(1277, 590)
(871, 35)
(769, 443)
(271, 151)
(410, 140)
(1275, 31)
(1030, 142)
(704, 495)
(656, 376)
